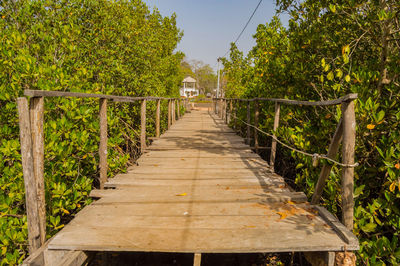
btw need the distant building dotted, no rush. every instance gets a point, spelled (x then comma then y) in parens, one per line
(189, 89)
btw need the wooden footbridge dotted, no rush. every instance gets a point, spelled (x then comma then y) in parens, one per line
(198, 188)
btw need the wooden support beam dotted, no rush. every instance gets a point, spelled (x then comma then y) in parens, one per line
(248, 134)
(36, 109)
(319, 258)
(178, 108)
(326, 169)
(256, 115)
(273, 144)
(103, 142)
(226, 110)
(158, 111)
(31, 202)
(349, 140)
(197, 259)
(230, 111)
(143, 126)
(169, 113)
(173, 112)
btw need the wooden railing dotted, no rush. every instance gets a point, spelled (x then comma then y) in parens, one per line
(31, 119)
(345, 133)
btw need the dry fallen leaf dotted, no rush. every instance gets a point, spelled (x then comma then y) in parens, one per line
(282, 214)
(182, 194)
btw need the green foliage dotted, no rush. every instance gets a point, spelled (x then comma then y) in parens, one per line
(110, 47)
(329, 49)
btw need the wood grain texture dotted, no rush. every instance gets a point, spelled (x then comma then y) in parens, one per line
(143, 126)
(276, 125)
(36, 109)
(169, 114)
(346, 98)
(349, 141)
(31, 203)
(190, 194)
(326, 168)
(103, 142)
(158, 114)
(256, 115)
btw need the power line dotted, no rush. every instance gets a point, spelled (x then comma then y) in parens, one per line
(244, 28)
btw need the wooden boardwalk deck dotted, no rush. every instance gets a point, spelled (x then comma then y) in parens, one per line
(200, 189)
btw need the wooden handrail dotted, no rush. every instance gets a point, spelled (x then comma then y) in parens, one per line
(115, 98)
(346, 98)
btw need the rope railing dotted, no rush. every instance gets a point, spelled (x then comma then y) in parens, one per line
(315, 156)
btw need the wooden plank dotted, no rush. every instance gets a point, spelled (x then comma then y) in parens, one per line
(158, 112)
(349, 140)
(326, 168)
(343, 232)
(143, 126)
(42, 93)
(43, 257)
(346, 98)
(36, 108)
(194, 194)
(103, 142)
(273, 144)
(197, 259)
(131, 181)
(31, 203)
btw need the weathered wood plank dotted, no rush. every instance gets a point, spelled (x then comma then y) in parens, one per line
(326, 169)
(103, 142)
(276, 124)
(143, 126)
(158, 114)
(169, 114)
(197, 259)
(31, 203)
(346, 98)
(349, 140)
(36, 108)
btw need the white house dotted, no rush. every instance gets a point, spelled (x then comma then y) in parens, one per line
(189, 88)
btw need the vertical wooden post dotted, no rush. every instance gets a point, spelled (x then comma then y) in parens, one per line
(31, 202)
(215, 106)
(235, 115)
(179, 108)
(36, 108)
(256, 114)
(273, 144)
(226, 110)
(230, 111)
(349, 140)
(248, 137)
(103, 142)
(143, 126)
(158, 111)
(173, 111)
(197, 259)
(326, 169)
(169, 113)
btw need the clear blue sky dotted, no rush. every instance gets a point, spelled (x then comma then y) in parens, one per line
(210, 26)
